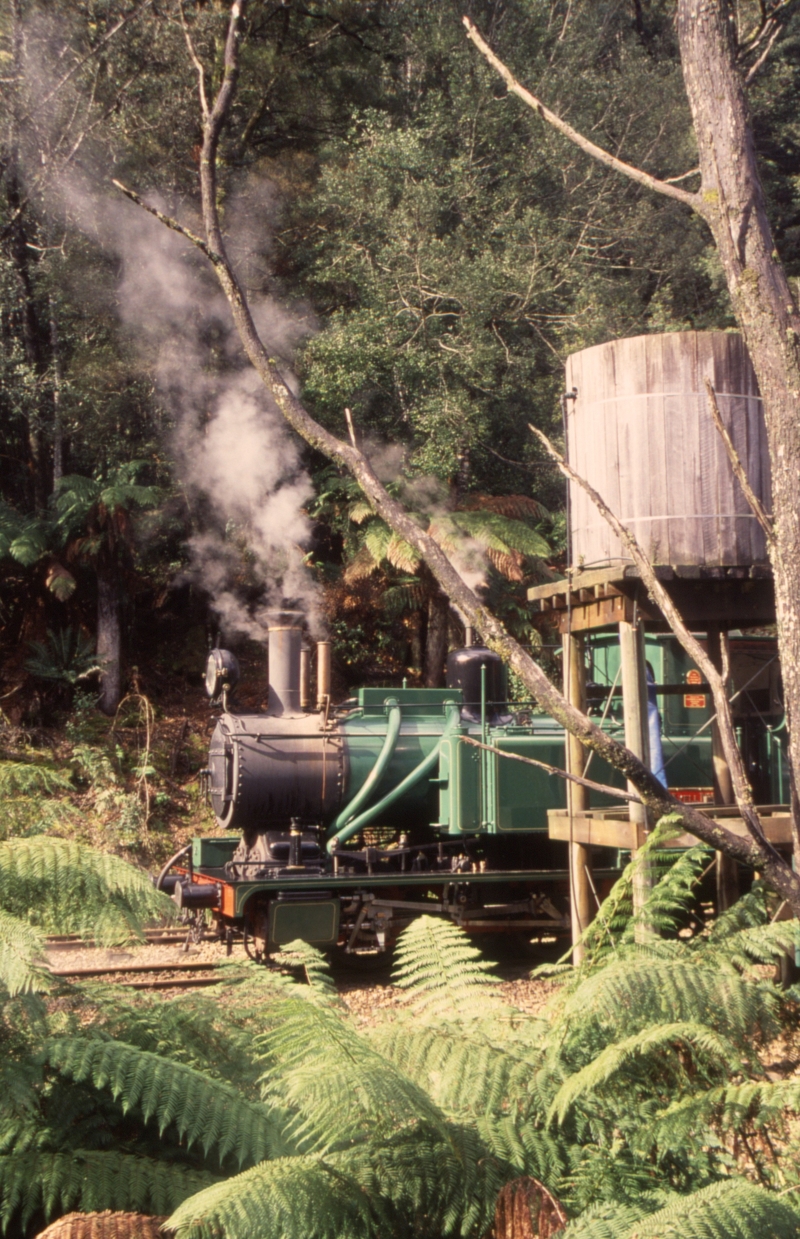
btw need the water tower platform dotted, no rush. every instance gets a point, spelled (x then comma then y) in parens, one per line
(735, 597)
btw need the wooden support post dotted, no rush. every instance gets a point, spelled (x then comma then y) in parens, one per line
(634, 708)
(727, 869)
(580, 857)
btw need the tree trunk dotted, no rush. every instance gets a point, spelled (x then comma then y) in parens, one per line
(436, 640)
(109, 637)
(732, 202)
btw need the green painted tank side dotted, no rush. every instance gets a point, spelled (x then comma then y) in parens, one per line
(424, 716)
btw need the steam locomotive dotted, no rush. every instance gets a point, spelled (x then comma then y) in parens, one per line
(340, 823)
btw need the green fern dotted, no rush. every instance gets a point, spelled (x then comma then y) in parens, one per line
(90, 1180)
(203, 1110)
(336, 1086)
(66, 887)
(30, 778)
(414, 1182)
(315, 966)
(442, 973)
(67, 657)
(659, 1041)
(734, 1209)
(23, 968)
(464, 1068)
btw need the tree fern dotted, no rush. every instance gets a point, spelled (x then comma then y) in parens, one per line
(423, 1182)
(65, 886)
(636, 990)
(337, 1087)
(22, 964)
(734, 1209)
(528, 1149)
(659, 1041)
(30, 778)
(461, 1066)
(88, 1180)
(289, 1198)
(727, 1107)
(442, 974)
(203, 1110)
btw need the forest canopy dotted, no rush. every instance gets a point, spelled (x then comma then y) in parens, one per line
(421, 253)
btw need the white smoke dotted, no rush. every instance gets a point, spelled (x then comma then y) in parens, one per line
(236, 459)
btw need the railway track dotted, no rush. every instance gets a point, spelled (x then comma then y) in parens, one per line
(147, 976)
(154, 975)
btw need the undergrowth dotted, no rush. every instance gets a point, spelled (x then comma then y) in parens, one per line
(128, 784)
(643, 1097)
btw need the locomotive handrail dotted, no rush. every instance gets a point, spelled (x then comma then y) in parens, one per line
(419, 772)
(395, 717)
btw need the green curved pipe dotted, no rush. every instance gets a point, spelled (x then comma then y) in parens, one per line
(419, 772)
(377, 772)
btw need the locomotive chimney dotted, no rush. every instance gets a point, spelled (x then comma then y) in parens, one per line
(285, 641)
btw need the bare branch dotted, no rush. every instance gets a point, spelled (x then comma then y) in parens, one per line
(764, 520)
(741, 786)
(753, 70)
(351, 430)
(605, 788)
(597, 152)
(197, 62)
(169, 222)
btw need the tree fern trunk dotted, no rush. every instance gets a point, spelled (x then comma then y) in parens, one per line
(109, 637)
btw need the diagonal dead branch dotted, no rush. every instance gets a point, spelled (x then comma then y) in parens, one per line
(741, 786)
(597, 152)
(764, 520)
(169, 222)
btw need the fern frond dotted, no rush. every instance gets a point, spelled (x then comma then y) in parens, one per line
(289, 1198)
(23, 968)
(195, 1029)
(89, 1180)
(338, 1088)
(501, 533)
(671, 898)
(377, 537)
(442, 973)
(660, 1040)
(401, 554)
(415, 1182)
(733, 1209)
(316, 969)
(516, 507)
(204, 1111)
(528, 1149)
(69, 887)
(758, 944)
(757, 1102)
(460, 1066)
(638, 989)
(30, 778)
(360, 511)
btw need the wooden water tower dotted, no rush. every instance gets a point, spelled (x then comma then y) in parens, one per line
(639, 431)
